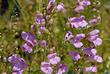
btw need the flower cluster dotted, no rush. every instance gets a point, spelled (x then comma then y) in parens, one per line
(81, 5)
(41, 27)
(92, 37)
(47, 67)
(30, 41)
(18, 64)
(91, 53)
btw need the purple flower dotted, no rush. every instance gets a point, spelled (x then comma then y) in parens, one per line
(81, 5)
(27, 36)
(18, 63)
(17, 72)
(33, 28)
(93, 37)
(51, 1)
(90, 51)
(95, 20)
(76, 40)
(78, 44)
(44, 43)
(30, 41)
(43, 29)
(79, 9)
(53, 58)
(94, 32)
(68, 36)
(76, 22)
(50, 6)
(46, 68)
(90, 69)
(96, 58)
(60, 7)
(92, 55)
(85, 3)
(62, 68)
(79, 37)
(74, 55)
(97, 42)
(27, 48)
(24, 35)
(39, 19)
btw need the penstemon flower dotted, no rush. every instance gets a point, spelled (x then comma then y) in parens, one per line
(30, 41)
(76, 41)
(85, 3)
(50, 6)
(90, 51)
(79, 9)
(81, 5)
(53, 58)
(46, 68)
(28, 36)
(90, 69)
(33, 28)
(60, 7)
(92, 55)
(62, 68)
(19, 65)
(43, 29)
(75, 55)
(39, 19)
(93, 37)
(17, 72)
(77, 22)
(43, 25)
(96, 58)
(27, 48)
(44, 43)
(95, 20)
(68, 36)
